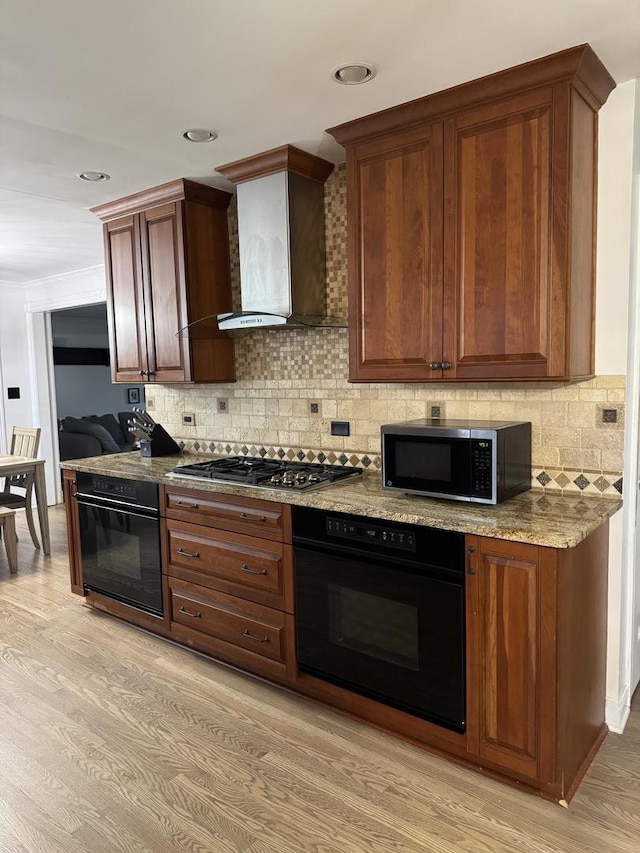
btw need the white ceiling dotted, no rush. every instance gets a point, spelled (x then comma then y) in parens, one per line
(110, 85)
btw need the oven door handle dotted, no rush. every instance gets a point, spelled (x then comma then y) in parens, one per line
(116, 506)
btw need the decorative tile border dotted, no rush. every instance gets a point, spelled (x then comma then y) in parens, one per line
(347, 458)
(552, 480)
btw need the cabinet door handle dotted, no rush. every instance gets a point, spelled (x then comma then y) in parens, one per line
(446, 365)
(246, 633)
(143, 373)
(435, 365)
(190, 506)
(253, 517)
(470, 550)
(188, 553)
(197, 615)
(245, 568)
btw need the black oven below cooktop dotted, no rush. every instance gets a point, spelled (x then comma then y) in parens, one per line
(268, 473)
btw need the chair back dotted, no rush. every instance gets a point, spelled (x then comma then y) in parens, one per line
(25, 441)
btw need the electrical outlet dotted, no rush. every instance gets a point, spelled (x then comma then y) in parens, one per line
(609, 416)
(314, 408)
(223, 404)
(189, 418)
(149, 402)
(436, 411)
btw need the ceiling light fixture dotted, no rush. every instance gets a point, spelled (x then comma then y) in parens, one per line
(199, 135)
(353, 73)
(93, 177)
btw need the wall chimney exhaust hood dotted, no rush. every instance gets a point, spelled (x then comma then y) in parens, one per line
(282, 243)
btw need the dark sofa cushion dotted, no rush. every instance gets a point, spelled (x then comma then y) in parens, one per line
(109, 445)
(111, 425)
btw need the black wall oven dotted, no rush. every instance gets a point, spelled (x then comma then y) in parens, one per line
(120, 540)
(380, 611)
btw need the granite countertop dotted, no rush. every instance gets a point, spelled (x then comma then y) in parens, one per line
(556, 521)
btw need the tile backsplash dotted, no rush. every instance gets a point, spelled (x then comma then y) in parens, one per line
(578, 429)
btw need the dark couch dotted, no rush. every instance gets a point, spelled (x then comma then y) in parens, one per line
(94, 435)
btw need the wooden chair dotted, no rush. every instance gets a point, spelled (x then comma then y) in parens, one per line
(8, 527)
(24, 442)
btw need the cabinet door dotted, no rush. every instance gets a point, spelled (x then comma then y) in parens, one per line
(394, 222)
(511, 720)
(73, 531)
(498, 226)
(125, 302)
(164, 292)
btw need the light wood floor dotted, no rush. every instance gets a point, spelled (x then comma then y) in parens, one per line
(113, 740)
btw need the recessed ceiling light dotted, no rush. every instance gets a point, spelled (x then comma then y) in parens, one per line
(353, 73)
(94, 177)
(199, 135)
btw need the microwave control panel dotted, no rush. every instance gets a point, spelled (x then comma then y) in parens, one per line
(481, 467)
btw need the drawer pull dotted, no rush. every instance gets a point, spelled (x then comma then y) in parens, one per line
(188, 505)
(245, 568)
(197, 615)
(246, 633)
(253, 517)
(188, 553)
(470, 569)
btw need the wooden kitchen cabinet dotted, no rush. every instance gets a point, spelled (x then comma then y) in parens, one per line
(167, 264)
(536, 658)
(73, 531)
(228, 562)
(471, 228)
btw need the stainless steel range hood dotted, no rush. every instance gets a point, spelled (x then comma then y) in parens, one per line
(281, 236)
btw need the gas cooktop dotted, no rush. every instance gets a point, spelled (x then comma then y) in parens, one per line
(268, 473)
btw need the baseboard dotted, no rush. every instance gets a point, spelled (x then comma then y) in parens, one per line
(616, 714)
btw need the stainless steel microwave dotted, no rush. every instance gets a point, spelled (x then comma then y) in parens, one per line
(476, 461)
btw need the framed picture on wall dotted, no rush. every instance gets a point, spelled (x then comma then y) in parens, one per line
(133, 395)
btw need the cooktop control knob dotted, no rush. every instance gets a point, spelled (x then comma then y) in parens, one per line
(313, 478)
(301, 478)
(288, 478)
(276, 479)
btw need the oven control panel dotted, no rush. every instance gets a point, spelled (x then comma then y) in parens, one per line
(378, 534)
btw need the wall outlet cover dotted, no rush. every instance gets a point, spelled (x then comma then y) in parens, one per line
(189, 418)
(149, 402)
(314, 408)
(223, 404)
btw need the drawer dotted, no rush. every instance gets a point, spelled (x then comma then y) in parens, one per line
(229, 512)
(253, 628)
(258, 569)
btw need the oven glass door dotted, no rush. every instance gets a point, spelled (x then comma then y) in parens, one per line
(440, 466)
(392, 634)
(121, 555)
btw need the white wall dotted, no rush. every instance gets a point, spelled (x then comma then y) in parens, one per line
(615, 167)
(14, 359)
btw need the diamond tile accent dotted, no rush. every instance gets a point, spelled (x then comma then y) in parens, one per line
(271, 452)
(365, 461)
(300, 455)
(354, 460)
(281, 453)
(262, 452)
(342, 459)
(244, 449)
(196, 445)
(182, 445)
(543, 478)
(562, 480)
(618, 485)
(227, 448)
(290, 454)
(310, 455)
(601, 484)
(581, 482)
(331, 458)
(321, 457)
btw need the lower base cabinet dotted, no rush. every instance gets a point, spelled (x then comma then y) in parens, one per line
(535, 632)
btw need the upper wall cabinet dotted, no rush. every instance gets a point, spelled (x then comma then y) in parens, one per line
(471, 228)
(167, 264)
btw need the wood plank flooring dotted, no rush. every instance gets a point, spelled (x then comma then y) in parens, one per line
(114, 740)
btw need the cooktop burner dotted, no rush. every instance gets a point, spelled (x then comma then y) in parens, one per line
(268, 473)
